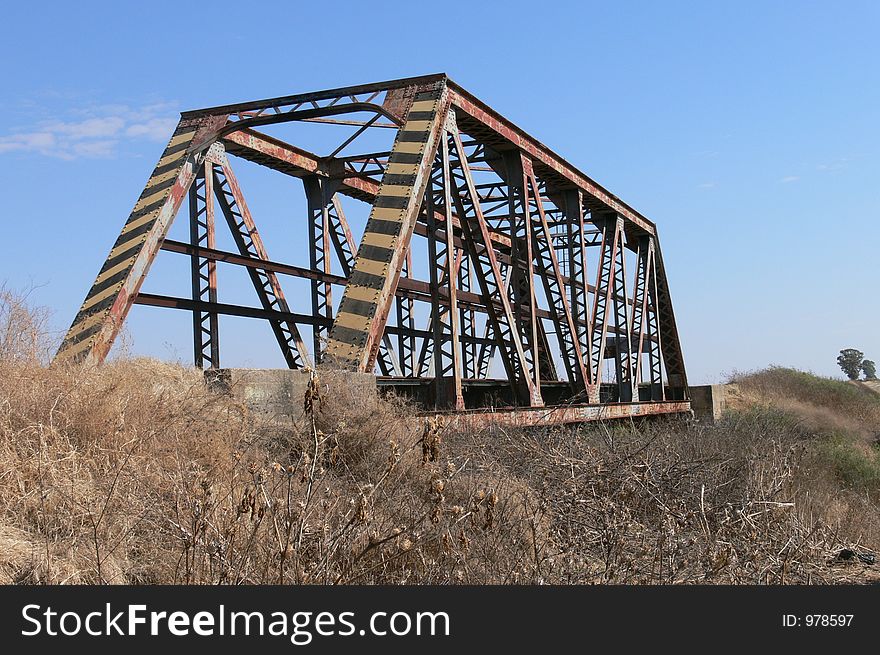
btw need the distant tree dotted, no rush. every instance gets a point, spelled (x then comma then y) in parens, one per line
(869, 369)
(850, 360)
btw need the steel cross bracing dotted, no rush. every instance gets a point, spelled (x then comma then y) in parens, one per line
(206, 339)
(491, 273)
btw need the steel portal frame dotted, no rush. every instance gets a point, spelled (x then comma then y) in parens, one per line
(513, 233)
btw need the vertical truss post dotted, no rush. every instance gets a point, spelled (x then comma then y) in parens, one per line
(573, 210)
(359, 325)
(671, 346)
(426, 353)
(522, 275)
(441, 256)
(206, 344)
(467, 320)
(406, 342)
(319, 195)
(554, 286)
(644, 258)
(622, 339)
(266, 283)
(482, 254)
(612, 231)
(655, 349)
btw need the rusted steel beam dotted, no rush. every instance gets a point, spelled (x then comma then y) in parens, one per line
(213, 254)
(407, 287)
(473, 420)
(467, 321)
(285, 158)
(288, 159)
(225, 309)
(327, 94)
(485, 116)
(652, 334)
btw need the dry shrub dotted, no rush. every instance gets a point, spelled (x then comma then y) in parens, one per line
(23, 328)
(672, 502)
(137, 472)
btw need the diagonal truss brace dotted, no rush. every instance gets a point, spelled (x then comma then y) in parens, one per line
(554, 287)
(481, 252)
(363, 312)
(265, 282)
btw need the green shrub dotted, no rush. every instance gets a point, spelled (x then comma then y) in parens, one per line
(857, 468)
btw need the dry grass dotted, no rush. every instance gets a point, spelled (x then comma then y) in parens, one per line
(135, 472)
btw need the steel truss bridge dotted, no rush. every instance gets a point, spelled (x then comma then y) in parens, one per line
(543, 297)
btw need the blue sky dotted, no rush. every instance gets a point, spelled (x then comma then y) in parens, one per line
(746, 130)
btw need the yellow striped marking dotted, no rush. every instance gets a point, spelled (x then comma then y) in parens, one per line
(180, 138)
(423, 105)
(353, 321)
(417, 126)
(411, 147)
(75, 349)
(106, 293)
(150, 199)
(125, 246)
(402, 169)
(395, 190)
(153, 181)
(110, 272)
(380, 240)
(370, 266)
(167, 159)
(136, 223)
(85, 325)
(388, 213)
(366, 294)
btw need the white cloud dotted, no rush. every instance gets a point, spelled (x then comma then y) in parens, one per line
(706, 185)
(106, 148)
(96, 132)
(835, 165)
(87, 129)
(155, 129)
(41, 142)
(789, 178)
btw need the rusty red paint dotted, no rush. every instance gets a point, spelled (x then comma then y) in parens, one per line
(559, 415)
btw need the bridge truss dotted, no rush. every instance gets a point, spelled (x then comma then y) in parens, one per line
(492, 279)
